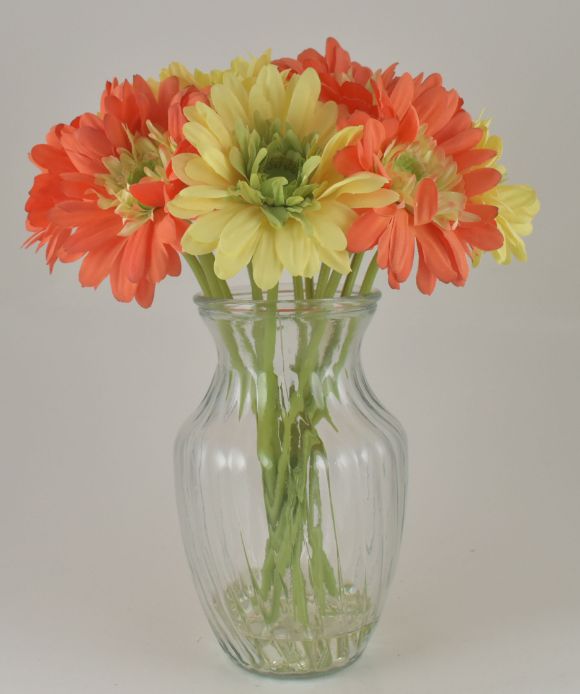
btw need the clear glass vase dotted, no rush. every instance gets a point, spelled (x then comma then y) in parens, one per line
(290, 481)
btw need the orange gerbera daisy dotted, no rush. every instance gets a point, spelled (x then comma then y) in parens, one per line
(426, 144)
(102, 191)
(343, 80)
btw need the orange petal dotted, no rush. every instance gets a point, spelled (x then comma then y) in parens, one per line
(459, 122)
(409, 126)
(480, 180)
(462, 141)
(487, 237)
(384, 244)
(145, 293)
(402, 247)
(426, 201)
(365, 231)
(50, 158)
(96, 266)
(173, 262)
(402, 94)
(123, 289)
(71, 213)
(436, 252)
(426, 280)
(473, 157)
(337, 58)
(149, 193)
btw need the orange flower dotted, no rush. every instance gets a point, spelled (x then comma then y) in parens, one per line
(102, 191)
(426, 144)
(343, 80)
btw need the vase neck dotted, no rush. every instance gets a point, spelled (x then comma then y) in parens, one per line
(315, 341)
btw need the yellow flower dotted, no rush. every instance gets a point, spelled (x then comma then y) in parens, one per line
(263, 187)
(517, 205)
(245, 69)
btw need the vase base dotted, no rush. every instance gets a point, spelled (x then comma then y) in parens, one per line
(297, 674)
(283, 647)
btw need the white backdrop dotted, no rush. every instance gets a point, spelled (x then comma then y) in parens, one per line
(95, 594)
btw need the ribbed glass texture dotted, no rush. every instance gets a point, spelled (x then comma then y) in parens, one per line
(290, 480)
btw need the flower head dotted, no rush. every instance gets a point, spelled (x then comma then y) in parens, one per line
(245, 69)
(517, 205)
(428, 147)
(343, 80)
(262, 185)
(101, 194)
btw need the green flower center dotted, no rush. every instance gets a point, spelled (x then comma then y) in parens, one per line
(275, 167)
(146, 158)
(408, 163)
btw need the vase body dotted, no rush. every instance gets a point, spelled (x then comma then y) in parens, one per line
(290, 481)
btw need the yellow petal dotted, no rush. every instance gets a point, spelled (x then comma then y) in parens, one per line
(180, 71)
(241, 231)
(237, 243)
(229, 104)
(268, 95)
(178, 164)
(200, 136)
(214, 123)
(380, 198)
(323, 121)
(337, 260)
(354, 185)
(292, 248)
(266, 265)
(203, 234)
(305, 93)
(339, 213)
(197, 171)
(195, 200)
(338, 141)
(313, 261)
(329, 235)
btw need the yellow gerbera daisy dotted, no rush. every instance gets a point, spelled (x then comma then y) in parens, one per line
(517, 205)
(246, 69)
(263, 187)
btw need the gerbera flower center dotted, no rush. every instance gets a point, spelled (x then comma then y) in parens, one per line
(275, 167)
(146, 159)
(407, 165)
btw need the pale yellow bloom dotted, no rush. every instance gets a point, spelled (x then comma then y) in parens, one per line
(245, 69)
(263, 187)
(517, 206)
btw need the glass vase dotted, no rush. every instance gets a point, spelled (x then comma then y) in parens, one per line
(290, 481)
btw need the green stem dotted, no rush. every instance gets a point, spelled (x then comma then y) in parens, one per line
(355, 264)
(224, 288)
(207, 263)
(332, 284)
(322, 280)
(369, 278)
(298, 288)
(256, 291)
(267, 395)
(195, 265)
(309, 287)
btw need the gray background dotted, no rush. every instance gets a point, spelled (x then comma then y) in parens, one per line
(95, 595)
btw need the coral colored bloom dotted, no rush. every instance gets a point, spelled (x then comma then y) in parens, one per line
(343, 81)
(102, 192)
(262, 186)
(517, 205)
(427, 145)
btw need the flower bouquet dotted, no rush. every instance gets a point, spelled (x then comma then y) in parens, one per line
(290, 476)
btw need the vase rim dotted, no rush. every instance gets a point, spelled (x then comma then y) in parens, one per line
(242, 304)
